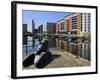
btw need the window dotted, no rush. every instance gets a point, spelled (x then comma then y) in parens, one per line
(62, 26)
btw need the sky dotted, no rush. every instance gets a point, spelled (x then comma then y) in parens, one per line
(42, 17)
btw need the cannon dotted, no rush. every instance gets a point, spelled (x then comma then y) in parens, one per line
(43, 47)
(29, 60)
(41, 57)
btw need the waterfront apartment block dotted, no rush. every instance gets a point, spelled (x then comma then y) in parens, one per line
(40, 28)
(24, 31)
(75, 23)
(24, 27)
(51, 28)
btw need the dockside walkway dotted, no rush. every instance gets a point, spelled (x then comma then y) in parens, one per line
(62, 59)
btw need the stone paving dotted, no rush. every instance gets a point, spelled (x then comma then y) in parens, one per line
(62, 59)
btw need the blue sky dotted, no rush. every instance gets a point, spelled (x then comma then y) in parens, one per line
(42, 17)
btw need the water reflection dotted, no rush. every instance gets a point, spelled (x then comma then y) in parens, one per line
(81, 49)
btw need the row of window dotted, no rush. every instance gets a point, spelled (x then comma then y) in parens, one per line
(74, 21)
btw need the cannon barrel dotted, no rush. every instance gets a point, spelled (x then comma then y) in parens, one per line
(43, 54)
(43, 47)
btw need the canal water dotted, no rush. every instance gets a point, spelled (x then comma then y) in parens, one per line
(81, 49)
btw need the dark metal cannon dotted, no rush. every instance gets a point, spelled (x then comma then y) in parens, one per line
(41, 58)
(43, 47)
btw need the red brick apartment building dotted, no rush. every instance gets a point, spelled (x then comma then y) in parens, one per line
(73, 24)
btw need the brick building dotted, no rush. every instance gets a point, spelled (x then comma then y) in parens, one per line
(74, 23)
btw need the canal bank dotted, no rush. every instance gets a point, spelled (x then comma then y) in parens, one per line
(62, 59)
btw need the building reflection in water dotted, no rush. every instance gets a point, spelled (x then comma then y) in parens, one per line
(76, 48)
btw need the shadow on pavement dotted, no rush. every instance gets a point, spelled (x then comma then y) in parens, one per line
(44, 60)
(56, 56)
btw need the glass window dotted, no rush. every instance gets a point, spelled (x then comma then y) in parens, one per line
(62, 26)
